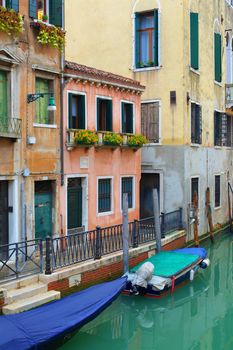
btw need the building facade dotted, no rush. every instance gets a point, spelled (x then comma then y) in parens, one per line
(101, 113)
(29, 130)
(178, 51)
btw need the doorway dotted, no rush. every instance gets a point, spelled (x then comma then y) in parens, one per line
(74, 204)
(148, 182)
(43, 209)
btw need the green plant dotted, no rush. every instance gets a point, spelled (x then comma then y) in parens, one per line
(10, 21)
(52, 36)
(137, 140)
(44, 17)
(85, 137)
(111, 138)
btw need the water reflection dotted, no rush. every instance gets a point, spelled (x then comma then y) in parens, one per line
(198, 316)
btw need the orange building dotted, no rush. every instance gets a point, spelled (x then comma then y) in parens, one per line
(101, 158)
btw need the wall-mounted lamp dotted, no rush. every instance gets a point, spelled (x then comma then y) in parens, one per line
(34, 97)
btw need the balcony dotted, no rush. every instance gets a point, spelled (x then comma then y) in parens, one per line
(229, 96)
(103, 139)
(10, 128)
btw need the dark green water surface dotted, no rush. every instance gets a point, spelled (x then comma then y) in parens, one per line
(198, 316)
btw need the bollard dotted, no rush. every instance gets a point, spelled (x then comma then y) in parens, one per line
(48, 270)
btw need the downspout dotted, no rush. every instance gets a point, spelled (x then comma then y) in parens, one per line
(61, 104)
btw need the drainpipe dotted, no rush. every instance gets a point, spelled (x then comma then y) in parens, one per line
(22, 211)
(61, 103)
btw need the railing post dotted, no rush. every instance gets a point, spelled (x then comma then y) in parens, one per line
(135, 234)
(180, 218)
(48, 270)
(16, 258)
(40, 243)
(163, 225)
(98, 243)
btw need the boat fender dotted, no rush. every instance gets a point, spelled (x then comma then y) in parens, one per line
(191, 276)
(205, 263)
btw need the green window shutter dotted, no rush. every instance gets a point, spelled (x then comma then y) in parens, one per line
(137, 40)
(3, 96)
(109, 115)
(70, 126)
(32, 9)
(129, 121)
(194, 40)
(12, 4)
(217, 57)
(42, 114)
(98, 113)
(55, 12)
(123, 121)
(81, 111)
(156, 38)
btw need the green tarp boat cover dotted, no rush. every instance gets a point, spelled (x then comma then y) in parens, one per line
(168, 264)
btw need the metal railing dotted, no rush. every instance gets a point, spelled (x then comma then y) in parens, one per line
(21, 259)
(10, 127)
(35, 256)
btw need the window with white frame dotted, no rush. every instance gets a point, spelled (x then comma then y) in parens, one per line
(196, 123)
(104, 195)
(48, 11)
(150, 116)
(127, 117)
(76, 111)
(104, 114)
(127, 186)
(217, 190)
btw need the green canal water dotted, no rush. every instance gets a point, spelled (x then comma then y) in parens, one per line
(198, 316)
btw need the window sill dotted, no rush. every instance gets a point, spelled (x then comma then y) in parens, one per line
(195, 145)
(218, 147)
(218, 208)
(47, 126)
(105, 213)
(144, 69)
(217, 83)
(195, 71)
(153, 144)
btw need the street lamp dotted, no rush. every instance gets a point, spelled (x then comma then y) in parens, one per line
(36, 96)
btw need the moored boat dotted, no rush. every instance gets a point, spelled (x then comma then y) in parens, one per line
(164, 272)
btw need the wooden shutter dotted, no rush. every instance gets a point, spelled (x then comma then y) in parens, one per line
(137, 40)
(42, 114)
(217, 57)
(70, 126)
(81, 112)
(123, 124)
(194, 40)
(55, 12)
(12, 4)
(33, 8)
(200, 124)
(3, 96)
(156, 38)
(223, 129)
(109, 115)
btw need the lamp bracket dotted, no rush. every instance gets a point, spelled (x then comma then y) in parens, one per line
(34, 97)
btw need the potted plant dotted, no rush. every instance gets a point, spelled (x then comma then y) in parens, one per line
(10, 21)
(85, 137)
(51, 36)
(137, 140)
(112, 139)
(45, 18)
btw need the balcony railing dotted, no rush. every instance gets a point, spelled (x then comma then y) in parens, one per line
(10, 127)
(229, 95)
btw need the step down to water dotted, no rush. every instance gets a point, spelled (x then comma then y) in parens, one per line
(30, 303)
(15, 295)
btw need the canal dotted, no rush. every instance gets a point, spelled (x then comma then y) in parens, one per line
(198, 316)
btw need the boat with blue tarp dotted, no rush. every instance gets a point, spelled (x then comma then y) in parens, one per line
(164, 272)
(53, 323)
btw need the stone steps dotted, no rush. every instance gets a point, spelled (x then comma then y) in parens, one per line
(25, 292)
(32, 302)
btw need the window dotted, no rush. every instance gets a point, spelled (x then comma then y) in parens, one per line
(220, 129)
(3, 99)
(11, 4)
(127, 117)
(104, 195)
(194, 40)
(150, 121)
(51, 8)
(229, 131)
(146, 39)
(77, 113)
(43, 116)
(104, 114)
(127, 187)
(194, 188)
(196, 124)
(217, 191)
(217, 58)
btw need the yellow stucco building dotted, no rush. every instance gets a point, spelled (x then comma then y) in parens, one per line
(181, 51)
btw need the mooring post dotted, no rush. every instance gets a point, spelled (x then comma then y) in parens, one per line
(135, 234)
(156, 219)
(125, 233)
(48, 270)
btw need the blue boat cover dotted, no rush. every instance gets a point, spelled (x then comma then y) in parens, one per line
(196, 251)
(38, 328)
